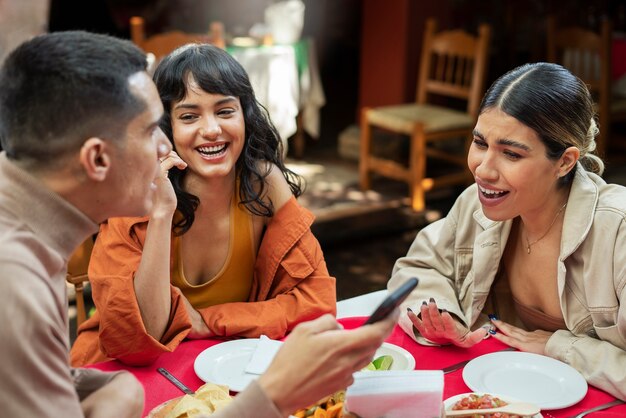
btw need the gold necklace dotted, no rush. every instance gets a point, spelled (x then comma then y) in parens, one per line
(529, 244)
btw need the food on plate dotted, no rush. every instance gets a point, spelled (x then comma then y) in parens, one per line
(332, 406)
(329, 407)
(207, 399)
(380, 363)
(481, 401)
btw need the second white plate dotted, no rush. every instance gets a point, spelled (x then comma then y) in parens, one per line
(225, 363)
(402, 359)
(541, 380)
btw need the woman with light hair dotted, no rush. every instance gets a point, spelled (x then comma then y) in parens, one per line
(538, 243)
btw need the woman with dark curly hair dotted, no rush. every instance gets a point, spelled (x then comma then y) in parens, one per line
(227, 250)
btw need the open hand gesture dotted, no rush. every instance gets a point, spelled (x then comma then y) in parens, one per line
(440, 327)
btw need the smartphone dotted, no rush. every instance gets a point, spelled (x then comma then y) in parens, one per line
(392, 301)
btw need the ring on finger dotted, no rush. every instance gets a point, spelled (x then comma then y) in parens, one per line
(490, 330)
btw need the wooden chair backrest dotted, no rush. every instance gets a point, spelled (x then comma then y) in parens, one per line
(587, 54)
(77, 269)
(161, 44)
(584, 52)
(453, 64)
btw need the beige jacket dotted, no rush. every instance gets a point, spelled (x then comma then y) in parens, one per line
(457, 258)
(39, 230)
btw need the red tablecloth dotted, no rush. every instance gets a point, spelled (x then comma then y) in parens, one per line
(180, 364)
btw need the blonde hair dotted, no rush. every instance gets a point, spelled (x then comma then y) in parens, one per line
(588, 159)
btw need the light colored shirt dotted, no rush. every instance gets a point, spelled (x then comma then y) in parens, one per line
(39, 230)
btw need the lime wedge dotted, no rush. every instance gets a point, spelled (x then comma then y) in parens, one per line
(370, 366)
(383, 362)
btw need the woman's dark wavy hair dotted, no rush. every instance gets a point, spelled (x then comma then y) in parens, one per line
(555, 104)
(217, 72)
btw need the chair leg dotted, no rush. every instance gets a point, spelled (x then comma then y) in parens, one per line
(81, 313)
(417, 168)
(365, 142)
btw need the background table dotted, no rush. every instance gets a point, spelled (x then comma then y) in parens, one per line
(180, 364)
(363, 305)
(286, 81)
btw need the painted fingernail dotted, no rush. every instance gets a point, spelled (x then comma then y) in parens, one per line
(409, 309)
(444, 310)
(432, 300)
(493, 316)
(492, 331)
(424, 303)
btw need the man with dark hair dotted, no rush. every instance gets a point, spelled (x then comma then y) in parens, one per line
(79, 123)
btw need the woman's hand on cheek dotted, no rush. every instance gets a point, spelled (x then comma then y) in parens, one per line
(165, 198)
(528, 341)
(172, 160)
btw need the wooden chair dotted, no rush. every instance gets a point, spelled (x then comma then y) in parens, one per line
(161, 44)
(453, 65)
(588, 55)
(77, 275)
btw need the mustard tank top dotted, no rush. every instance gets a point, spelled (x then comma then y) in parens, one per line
(233, 282)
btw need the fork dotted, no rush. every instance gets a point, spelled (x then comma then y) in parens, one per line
(180, 385)
(456, 366)
(600, 407)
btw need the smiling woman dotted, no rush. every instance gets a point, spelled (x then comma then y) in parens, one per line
(513, 244)
(227, 250)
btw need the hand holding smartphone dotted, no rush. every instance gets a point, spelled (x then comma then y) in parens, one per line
(392, 301)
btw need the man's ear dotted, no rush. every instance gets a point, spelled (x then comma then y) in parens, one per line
(95, 158)
(568, 160)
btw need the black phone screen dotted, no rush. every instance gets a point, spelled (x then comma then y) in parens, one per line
(392, 301)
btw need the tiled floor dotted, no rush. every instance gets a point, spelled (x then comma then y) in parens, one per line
(361, 233)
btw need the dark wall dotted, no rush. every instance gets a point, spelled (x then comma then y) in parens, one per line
(392, 34)
(340, 27)
(334, 24)
(519, 34)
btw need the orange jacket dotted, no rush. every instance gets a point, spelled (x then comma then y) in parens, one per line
(291, 284)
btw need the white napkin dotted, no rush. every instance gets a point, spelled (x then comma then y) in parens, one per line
(396, 394)
(263, 355)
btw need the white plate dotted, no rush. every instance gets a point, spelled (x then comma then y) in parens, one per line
(402, 359)
(225, 363)
(448, 403)
(542, 380)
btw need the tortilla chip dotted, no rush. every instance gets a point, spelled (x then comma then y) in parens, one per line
(221, 403)
(210, 392)
(189, 406)
(207, 399)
